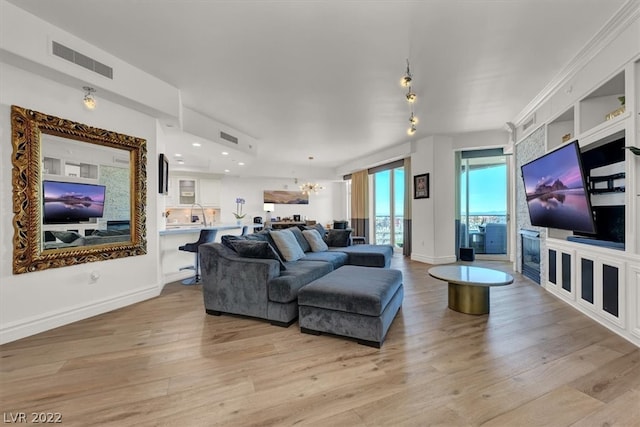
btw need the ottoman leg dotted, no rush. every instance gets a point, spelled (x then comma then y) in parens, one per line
(374, 344)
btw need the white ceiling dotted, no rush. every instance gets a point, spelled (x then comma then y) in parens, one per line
(321, 78)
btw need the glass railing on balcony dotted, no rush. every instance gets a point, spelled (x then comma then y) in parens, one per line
(383, 230)
(487, 234)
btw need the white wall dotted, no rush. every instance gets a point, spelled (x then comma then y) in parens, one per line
(433, 219)
(37, 301)
(320, 207)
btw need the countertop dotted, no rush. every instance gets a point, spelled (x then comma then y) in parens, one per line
(195, 228)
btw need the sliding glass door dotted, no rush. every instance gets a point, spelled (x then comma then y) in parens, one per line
(482, 188)
(389, 206)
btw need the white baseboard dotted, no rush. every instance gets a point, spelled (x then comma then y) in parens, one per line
(36, 324)
(433, 260)
(176, 276)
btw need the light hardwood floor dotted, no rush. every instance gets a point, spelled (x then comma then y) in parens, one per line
(532, 361)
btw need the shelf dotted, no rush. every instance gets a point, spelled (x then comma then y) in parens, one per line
(561, 129)
(603, 104)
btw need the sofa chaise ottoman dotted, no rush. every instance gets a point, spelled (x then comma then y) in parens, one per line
(352, 301)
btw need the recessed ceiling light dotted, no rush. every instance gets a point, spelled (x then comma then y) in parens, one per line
(178, 155)
(180, 161)
(227, 170)
(224, 153)
(196, 144)
(240, 163)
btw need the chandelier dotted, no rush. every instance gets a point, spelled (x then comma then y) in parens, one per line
(308, 188)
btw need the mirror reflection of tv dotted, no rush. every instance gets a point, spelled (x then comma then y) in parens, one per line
(556, 191)
(71, 202)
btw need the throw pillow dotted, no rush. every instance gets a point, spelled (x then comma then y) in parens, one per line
(256, 249)
(265, 236)
(66, 236)
(300, 238)
(317, 227)
(338, 238)
(287, 244)
(228, 239)
(315, 241)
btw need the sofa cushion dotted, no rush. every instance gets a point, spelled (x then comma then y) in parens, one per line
(103, 233)
(66, 236)
(351, 289)
(256, 249)
(287, 244)
(315, 240)
(285, 287)
(300, 238)
(340, 238)
(368, 255)
(337, 259)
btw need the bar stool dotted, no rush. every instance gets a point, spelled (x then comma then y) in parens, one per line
(206, 236)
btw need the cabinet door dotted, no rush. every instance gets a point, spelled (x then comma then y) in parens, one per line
(209, 192)
(187, 191)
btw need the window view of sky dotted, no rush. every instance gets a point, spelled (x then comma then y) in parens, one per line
(383, 192)
(488, 190)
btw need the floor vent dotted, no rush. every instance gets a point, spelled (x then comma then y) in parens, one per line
(77, 58)
(228, 137)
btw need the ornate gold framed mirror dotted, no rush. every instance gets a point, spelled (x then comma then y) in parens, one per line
(79, 192)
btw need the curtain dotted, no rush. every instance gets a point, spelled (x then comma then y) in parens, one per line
(360, 204)
(408, 199)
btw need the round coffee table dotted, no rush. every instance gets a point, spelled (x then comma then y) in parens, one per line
(469, 286)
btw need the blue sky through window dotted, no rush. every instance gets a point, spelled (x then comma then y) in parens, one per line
(383, 192)
(488, 190)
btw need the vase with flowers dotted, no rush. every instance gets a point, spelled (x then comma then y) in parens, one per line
(238, 213)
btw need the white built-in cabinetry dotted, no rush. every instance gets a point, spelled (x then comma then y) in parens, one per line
(602, 282)
(185, 191)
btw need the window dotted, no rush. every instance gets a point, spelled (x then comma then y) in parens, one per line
(482, 189)
(389, 206)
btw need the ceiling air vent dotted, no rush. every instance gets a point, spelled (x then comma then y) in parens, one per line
(228, 137)
(81, 60)
(121, 160)
(530, 122)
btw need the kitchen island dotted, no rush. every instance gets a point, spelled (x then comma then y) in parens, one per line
(175, 235)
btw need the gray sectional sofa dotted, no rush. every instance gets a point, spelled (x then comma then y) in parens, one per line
(243, 279)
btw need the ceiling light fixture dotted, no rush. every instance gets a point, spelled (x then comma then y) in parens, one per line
(196, 144)
(224, 153)
(89, 100)
(411, 96)
(309, 187)
(406, 79)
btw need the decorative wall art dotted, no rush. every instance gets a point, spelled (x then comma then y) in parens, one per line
(421, 186)
(283, 197)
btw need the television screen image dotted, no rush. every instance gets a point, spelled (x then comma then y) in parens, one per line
(71, 202)
(556, 191)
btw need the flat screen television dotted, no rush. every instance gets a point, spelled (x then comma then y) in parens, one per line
(71, 202)
(556, 191)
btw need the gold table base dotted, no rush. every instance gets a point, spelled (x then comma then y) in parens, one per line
(469, 299)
